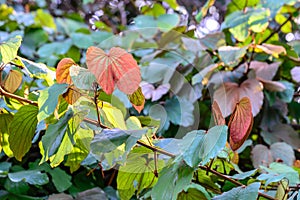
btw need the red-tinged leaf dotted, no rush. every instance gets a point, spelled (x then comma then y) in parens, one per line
(264, 70)
(217, 114)
(137, 99)
(13, 81)
(72, 95)
(273, 86)
(261, 155)
(114, 68)
(295, 72)
(240, 123)
(63, 70)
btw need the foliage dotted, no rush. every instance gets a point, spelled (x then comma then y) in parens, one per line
(141, 110)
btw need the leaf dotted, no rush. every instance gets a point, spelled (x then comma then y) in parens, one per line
(5, 120)
(150, 92)
(283, 152)
(81, 77)
(22, 129)
(201, 146)
(57, 176)
(139, 168)
(115, 68)
(272, 49)
(232, 55)
(193, 191)
(240, 23)
(92, 194)
(44, 19)
(202, 13)
(109, 140)
(180, 111)
(275, 6)
(63, 70)
(228, 93)
(241, 193)
(72, 95)
(217, 114)
(164, 22)
(264, 70)
(137, 99)
(13, 81)
(274, 86)
(33, 177)
(270, 178)
(282, 189)
(240, 123)
(48, 100)
(172, 179)
(114, 116)
(9, 49)
(261, 156)
(213, 40)
(82, 41)
(295, 72)
(244, 175)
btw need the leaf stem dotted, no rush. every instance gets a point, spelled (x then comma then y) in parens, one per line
(13, 96)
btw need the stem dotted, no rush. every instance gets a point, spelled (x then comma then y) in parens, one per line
(13, 96)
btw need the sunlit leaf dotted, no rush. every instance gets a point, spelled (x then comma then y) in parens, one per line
(9, 49)
(114, 116)
(137, 99)
(72, 95)
(33, 177)
(82, 78)
(5, 120)
(63, 70)
(22, 129)
(231, 55)
(44, 19)
(240, 123)
(282, 189)
(272, 49)
(13, 81)
(114, 68)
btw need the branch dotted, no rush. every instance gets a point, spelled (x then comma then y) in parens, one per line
(19, 98)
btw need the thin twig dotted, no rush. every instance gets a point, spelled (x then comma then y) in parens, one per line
(19, 98)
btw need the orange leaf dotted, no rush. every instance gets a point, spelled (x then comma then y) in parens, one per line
(63, 70)
(114, 68)
(137, 99)
(72, 95)
(13, 81)
(217, 114)
(240, 123)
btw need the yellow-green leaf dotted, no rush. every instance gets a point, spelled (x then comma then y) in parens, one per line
(9, 49)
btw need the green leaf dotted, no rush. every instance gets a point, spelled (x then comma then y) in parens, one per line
(33, 177)
(48, 100)
(22, 129)
(4, 169)
(275, 5)
(172, 179)
(54, 48)
(202, 146)
(82, 78)
(9, 49)
(202, 13)
(137, 173)
(235, 5)
(110, 139)
(82, 41)
(295, 44)
(164, 22)
(232, 55)
(180, 111)
(83, 139)
(154, 10)
(5, 120)
(193, 191)
(58, 175)
(288, 94)
(240, 23)
(59, 138)
(241, 193)
(281, 192)
(270, 178)
(44, 19)
(244, 175)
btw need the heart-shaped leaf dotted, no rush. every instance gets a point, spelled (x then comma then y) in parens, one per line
(72, 95)
(63, 70)
(137, 99)
(13, 81)
(264, 70)
(114, 68)
(240, 123)
(217, 114)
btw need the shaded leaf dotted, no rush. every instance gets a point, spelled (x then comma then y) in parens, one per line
(57, 176)
(244, 175)
(229, 93)
(241, 193)
(63, 70)
(217, 114)
(272, 49)
(137, 99)
(13, 81)
(281, 151)
(9, 49)
(193, 191)
(261, 156)
(33, 177)
(264, 70)
(295, 72)
(82, 41)
(274, 86)
(231, 55)
(154, 94)
(115, 68)
(240, 123)
(270, 178)
(82, 78)
(92, 194)
(22, 129)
